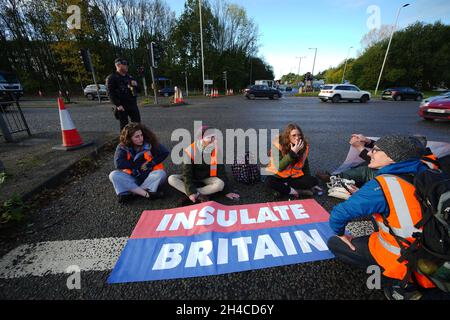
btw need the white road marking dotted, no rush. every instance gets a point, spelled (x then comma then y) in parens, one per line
(54, 257)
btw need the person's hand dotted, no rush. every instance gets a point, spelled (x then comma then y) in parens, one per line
(348, 241)
(232, 196)
(361, 137)
(297, 147)
(193, 197)
(134, 83)
(144, 166)
(120, 108)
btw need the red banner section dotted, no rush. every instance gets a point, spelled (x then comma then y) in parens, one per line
(214, 217)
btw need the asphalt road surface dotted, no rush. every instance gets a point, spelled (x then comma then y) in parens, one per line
(85, 222)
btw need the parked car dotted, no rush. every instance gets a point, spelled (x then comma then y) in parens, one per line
(436, 109)
(166, 92)
(262, 91)
(90, 92)
(338, 92)
(401, 93)
(10, 86)
(444, 95)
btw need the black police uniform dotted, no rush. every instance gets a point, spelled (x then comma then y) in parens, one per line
(121, 94)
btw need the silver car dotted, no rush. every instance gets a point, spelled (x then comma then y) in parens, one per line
(90, 92)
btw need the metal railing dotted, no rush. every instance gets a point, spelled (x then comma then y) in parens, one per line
(12, 120)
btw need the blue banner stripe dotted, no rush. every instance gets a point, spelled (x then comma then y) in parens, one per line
(265, 248)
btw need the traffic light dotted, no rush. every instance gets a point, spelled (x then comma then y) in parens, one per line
(86, 59)
(155, 53)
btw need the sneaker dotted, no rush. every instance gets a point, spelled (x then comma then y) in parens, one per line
(340, 188)
(323, 176)
(339, 192)
(397, 293)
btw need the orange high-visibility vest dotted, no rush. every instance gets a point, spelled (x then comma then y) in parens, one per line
(148, 157)
(191, 150)
(431, 164)
(293, 170)
(404, 214)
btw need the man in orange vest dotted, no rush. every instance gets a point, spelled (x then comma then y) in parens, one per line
(208, 177)
(390, 201)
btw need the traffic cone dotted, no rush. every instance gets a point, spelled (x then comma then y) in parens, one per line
(175, 96)
(70, 136)
(180, 96)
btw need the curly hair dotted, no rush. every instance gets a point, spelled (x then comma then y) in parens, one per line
(130, 129)
(284, 139)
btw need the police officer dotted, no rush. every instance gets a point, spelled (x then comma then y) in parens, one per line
(122, 90)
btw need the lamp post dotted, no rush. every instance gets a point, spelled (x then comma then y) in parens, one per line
(299, 62)
(389, 45)
(314, 63)
(345, 66)
(201, 45)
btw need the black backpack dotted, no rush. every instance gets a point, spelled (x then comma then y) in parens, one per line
(245, 172)
(430, 253)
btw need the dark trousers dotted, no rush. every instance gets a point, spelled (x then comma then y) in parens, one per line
(361, 257)
(279, 184)
(130, 111)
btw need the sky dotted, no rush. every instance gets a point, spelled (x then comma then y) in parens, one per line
(288, 28)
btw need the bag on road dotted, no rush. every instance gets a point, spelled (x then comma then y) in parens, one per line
(245, 172)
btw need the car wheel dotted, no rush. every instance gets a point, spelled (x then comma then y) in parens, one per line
(90, 96)
(428, 119)
(251, 96)
(419, 97)
(336, 98)
(276, 97)
(364, 98)
(398, 98)
(323, 100)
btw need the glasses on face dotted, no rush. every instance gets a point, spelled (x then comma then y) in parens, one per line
(375, 150)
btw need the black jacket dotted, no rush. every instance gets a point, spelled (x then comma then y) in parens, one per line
(119, 90)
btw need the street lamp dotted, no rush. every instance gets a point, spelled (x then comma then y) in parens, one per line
(299, 62)
(345, 66)
(389, 45)
(314, 63)
(201, 44)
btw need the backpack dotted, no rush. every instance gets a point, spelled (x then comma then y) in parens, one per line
(429, 254)
(244, 172)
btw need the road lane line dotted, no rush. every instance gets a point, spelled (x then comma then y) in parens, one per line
(54, 257)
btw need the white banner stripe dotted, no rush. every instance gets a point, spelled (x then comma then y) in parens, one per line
(66, 120)
(55, 257)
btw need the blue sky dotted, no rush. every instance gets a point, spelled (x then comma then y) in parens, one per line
(287, 28)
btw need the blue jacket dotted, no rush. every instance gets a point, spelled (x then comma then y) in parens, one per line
(370, 198)
(121, 162)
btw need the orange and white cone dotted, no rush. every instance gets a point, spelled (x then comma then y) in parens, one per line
(71, 139)
(180, 96)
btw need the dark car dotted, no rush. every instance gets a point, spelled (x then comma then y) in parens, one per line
(401, 93)
(261, 91)
(166, 92)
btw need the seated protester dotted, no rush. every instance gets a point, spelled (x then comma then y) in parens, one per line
(389, 197)
(138, 161)
(291, 174)
(200, 180)
(362, 173)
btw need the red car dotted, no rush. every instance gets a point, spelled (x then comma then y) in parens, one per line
(436, 109)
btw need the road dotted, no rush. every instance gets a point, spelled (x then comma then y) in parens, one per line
(92, 227)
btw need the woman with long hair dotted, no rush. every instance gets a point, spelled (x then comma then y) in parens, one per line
(288, 169)
(138, 161)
